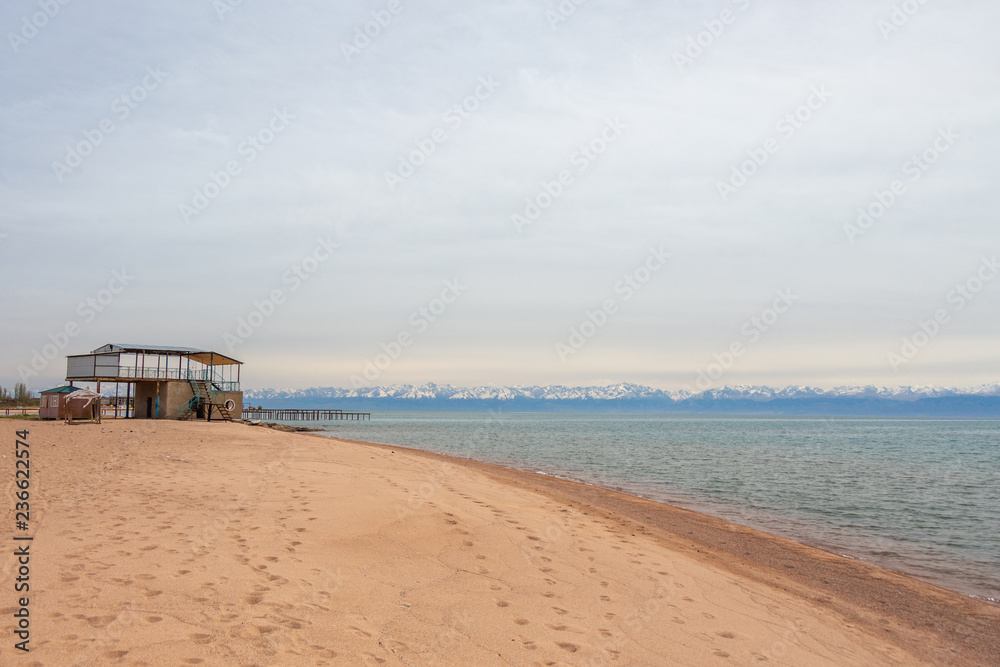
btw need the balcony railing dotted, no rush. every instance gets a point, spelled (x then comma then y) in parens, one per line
(154, 373)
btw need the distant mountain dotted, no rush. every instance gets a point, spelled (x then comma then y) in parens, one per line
(870, 400)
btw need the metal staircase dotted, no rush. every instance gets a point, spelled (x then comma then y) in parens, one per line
(192, 405)
(223, 411)
(205, 397)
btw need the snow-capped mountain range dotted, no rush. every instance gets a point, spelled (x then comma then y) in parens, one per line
(623, 391)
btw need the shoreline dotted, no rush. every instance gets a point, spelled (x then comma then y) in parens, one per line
(707, 508)
(212, 543)
(858, 589)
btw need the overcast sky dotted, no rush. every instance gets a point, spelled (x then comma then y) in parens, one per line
(688, 173)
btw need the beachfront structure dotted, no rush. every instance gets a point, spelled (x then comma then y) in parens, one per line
(53, 404)
(164, 382)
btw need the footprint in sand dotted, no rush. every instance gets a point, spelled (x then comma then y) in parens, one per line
(98, 621)
(323, 651)
(521, 621)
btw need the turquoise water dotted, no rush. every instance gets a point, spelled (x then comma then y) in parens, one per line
(919, 496)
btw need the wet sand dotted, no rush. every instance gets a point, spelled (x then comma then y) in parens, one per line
(221, 544)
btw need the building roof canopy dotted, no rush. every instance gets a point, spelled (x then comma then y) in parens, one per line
(206, 357)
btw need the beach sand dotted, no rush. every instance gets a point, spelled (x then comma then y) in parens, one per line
(166, 543)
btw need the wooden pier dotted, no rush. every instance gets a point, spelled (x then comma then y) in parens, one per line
(305, 415)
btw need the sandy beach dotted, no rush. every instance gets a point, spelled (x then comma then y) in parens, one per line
(223, 544)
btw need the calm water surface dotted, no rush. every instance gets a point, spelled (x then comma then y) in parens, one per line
(920, 496)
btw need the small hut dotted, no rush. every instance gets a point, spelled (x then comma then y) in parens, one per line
(64, 403)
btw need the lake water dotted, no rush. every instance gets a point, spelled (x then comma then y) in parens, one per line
(918, 496)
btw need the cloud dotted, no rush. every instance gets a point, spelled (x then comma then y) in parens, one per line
(557, 85)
